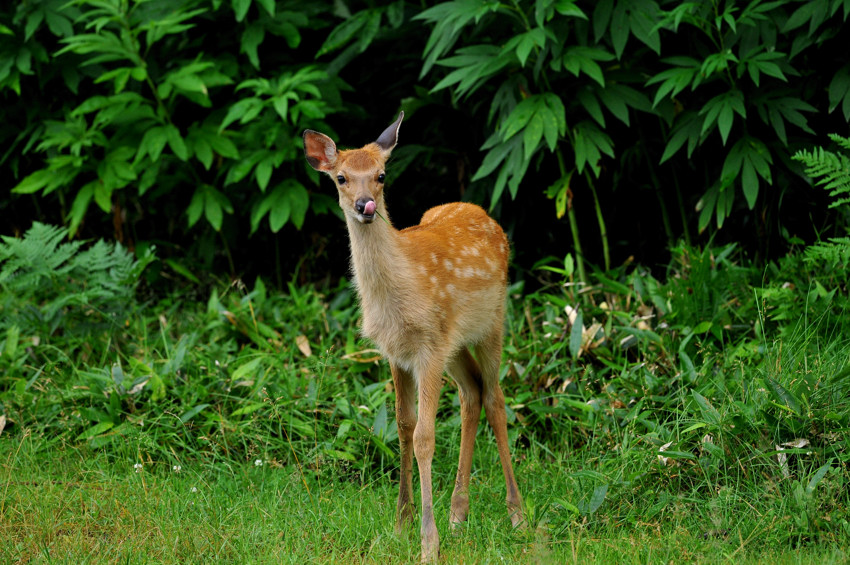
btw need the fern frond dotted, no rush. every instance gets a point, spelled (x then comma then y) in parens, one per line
(831, 171)
(835, 252)
(842, 142)
(47, 283)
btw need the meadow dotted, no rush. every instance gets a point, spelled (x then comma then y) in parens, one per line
(700, 419)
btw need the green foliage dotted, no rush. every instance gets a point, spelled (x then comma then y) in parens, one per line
(816, 281)
(710, 291)
(151, 109)
(53, 289)
(189, 112)
(733, 70)
(831, 170)
(656, 397)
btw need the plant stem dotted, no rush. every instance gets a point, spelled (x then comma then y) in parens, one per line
(685, 231)
(656, 188)
(582, 274)
(603, 230)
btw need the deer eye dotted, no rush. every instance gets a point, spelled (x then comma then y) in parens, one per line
(340, 179)
(381, 177)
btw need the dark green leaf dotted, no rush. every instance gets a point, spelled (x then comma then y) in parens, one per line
(576, 335)
(710, 414)
(370, 30)
(263, 172)
(252, 37)
(569, 9)
(782, 395)
(587, 98)
(203, 152)
(280, 211)
(33, 182)
(268, 6)
(344, 32)
(244, 110)
(839, 91)
(532, 135)
(750, 183)
(619, 28)
(196, 207)
(192, 412)
(80, 206)
(240, 8)
(299, 202)
(175, 142)
(601, 17)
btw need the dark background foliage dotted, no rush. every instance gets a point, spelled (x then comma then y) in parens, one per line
(177, 123)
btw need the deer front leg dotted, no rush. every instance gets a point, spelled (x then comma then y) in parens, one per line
(405, 415)
(423, 446)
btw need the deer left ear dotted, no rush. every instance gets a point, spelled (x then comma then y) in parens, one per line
(387, 140)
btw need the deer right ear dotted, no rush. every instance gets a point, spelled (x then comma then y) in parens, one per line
(320, 150)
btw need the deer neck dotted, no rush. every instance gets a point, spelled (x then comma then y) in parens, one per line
(378, 261)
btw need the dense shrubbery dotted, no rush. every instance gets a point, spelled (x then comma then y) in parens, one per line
(178, 122)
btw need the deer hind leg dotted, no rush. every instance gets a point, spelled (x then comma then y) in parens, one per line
(405, 413)
(489, 353)
(466, 373)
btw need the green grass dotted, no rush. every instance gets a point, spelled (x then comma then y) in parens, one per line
(644, 432)
(76, 506)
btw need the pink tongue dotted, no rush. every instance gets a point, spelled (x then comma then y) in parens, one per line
(369, 208)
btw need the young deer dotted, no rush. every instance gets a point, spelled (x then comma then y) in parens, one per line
(427, 294)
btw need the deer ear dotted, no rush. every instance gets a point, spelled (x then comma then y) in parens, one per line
(320, 150)
(387, 140)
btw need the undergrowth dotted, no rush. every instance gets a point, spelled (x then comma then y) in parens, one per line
(633, 403)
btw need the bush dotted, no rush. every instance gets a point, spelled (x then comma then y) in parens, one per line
(179, 121)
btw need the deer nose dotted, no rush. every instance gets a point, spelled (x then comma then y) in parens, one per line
(365, 206)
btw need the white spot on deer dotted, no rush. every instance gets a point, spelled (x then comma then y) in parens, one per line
(433, 279)
(434, 258)
(422, 270)
(450, 288)
(448, 265)
(471, 250)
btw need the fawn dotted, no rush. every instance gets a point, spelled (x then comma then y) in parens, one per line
(427, 294)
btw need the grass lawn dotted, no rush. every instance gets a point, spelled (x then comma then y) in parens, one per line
(68, 505)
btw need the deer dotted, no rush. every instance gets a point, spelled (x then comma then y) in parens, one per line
(430, 296)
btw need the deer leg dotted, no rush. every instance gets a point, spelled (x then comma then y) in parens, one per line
(430, 382)
(405, 414)
(489, 353)
(465, 372)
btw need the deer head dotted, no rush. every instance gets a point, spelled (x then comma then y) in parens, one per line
(358, 173)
